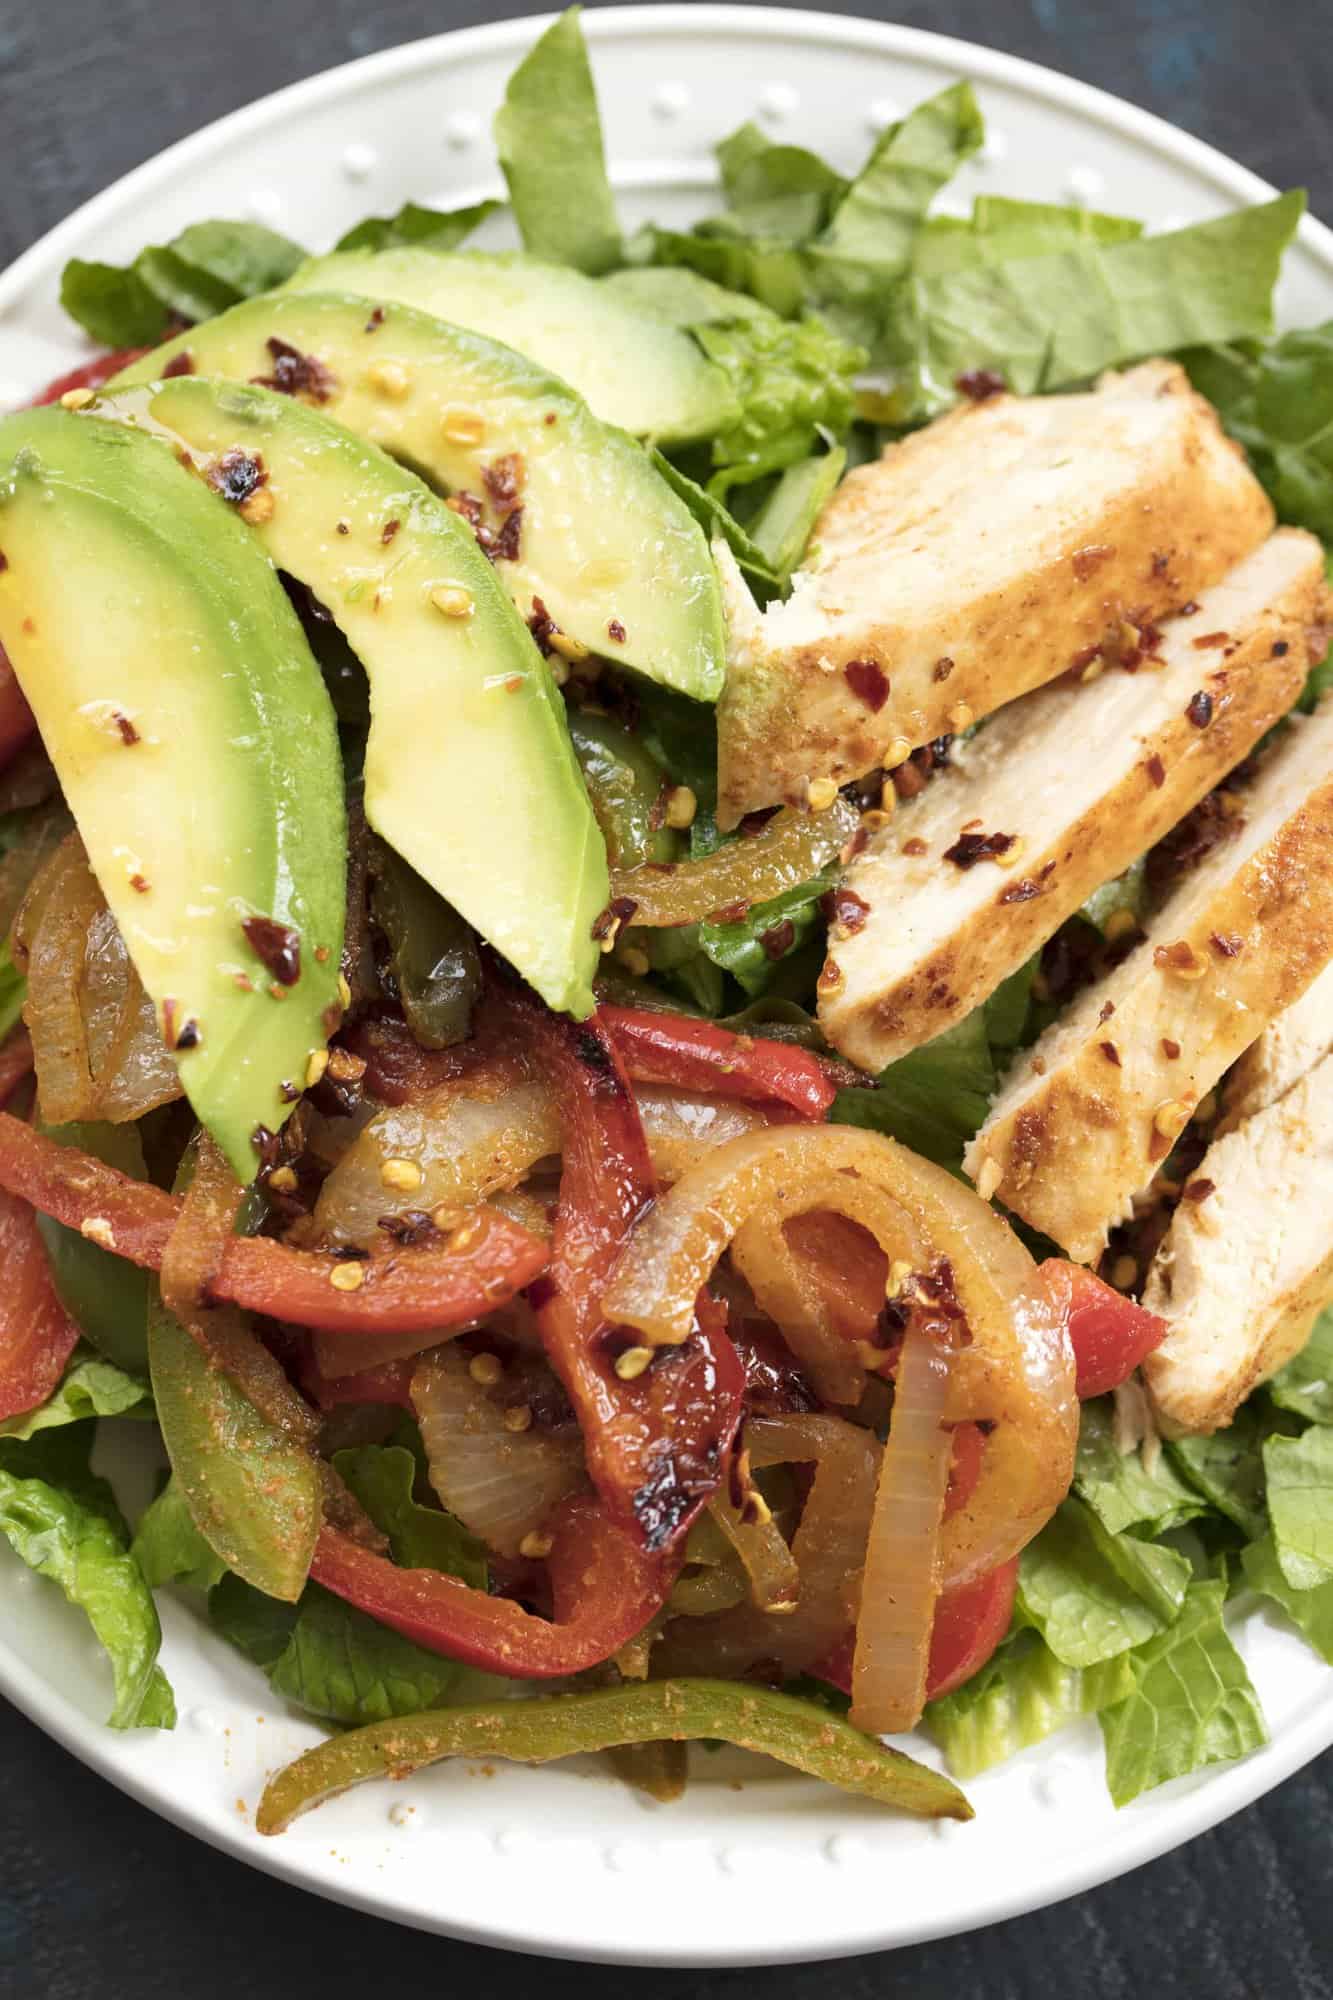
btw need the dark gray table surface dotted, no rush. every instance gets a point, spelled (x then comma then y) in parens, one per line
(99, 1900)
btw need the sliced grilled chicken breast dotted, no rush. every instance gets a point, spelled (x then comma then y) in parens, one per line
(972, 562)
(1287, 1050)
(1087, 1114)
(1247, 1264)
(1063, 789)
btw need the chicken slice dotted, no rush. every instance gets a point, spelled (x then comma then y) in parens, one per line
(1247, 1265)
(1074, 783)
(1090, 1111)
(975, 560)
(1288, 1048)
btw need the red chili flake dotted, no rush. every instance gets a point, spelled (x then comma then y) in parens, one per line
(503, 480)
(189, 1036)
(376, 320)
(1023, 891)
(169, 1007)
(541, 625)
(849, 909)
(549, 417)
(139, 884)
(1279, 648)
(344, 527)
(977, 384)
(1200, 1189)
(914, 846)
(412, 1227)
(618, 911)
(1111, 1052)
(1226, 944)
(778, 941)
(1156, 770)
(1177, 957)
(615, 630)
(969, 848)
(129, 735)
(505, 545)
(942, 668)
(729, 913)
(277, 948)
(297, 374)
(389, 530)
(1209, 639)
(236, 475)
(468, 505)
(1170, 1049)
(1084, 658)
(908, 780)
(1199, 709)
(1108, 1008)
(868, 682)
(1089, 560)
(179, 364)
(858, 843)
(1161, 562)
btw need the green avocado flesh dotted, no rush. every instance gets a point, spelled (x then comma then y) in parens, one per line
(631, 368)
(469, 772)
(618, 562)
(191, 732)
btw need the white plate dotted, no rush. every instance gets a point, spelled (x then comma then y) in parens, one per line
(563, 1860)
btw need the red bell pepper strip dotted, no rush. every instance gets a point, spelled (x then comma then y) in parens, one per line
(676, 1049)
(969, 1624)
(37, 1335)
(400, 1290)
(604, 1589)
(1109, 1333)
(390, 1383)
(660, 1048)
(969, 1445)
(656, 1441)
(15, 1062)
(91, 375)
(16, 718)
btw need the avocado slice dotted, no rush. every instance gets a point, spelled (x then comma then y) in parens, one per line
(577, 518)
(632, 368)
(469, 772)
(186, 718)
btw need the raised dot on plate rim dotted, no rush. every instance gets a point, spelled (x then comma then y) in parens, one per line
(1085, 183)
(462, 128)
(671, 100)
(883, 112)
(359, 161)
(778, 101)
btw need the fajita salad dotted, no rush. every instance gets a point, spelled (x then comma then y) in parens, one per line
(668, 1002)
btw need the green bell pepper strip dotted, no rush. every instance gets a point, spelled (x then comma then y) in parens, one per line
(432, 952)
(103, 1293)
(796, 1732)
(625, 785)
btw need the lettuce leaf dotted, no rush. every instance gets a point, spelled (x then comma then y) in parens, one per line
(425, 228)
(1192, 1705)
(1118, 1487)
(1228, 1469)
(63, 1522)
(873, 231)
(739, 948)
(1092, 1595)
(170, 1549)
(1278, 402)
(1300, 1505)
(783, 526)
(793, 379)
(1050, 321)
(1311, 1611)
(548, 133)
(1305, 1385)
(932, 1100)
(89, 1387)
(775, 191)
(1021, 1696)
(202, 271)
(382, 1477)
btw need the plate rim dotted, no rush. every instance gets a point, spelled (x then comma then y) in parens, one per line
(1215, 1797)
